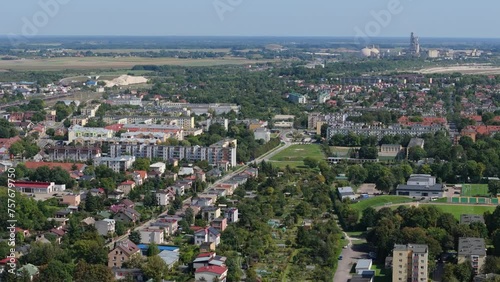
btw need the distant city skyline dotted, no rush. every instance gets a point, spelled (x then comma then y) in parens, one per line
(325, 18)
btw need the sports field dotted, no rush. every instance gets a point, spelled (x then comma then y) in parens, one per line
(295, 155)
(457, 210)
(472, 190)
(115, 63)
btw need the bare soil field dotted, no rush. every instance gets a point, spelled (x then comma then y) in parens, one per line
(114, 63)
(465, 69)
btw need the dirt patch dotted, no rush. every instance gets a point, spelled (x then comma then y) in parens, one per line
(125, 80)
(465, 69)
(368, 188)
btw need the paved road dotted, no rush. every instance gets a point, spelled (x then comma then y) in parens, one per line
(349, 257)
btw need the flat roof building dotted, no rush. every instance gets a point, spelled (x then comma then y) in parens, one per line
(472, 250)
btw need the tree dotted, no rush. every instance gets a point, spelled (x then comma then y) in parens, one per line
(366, 152)
(152, 250)
(494, 187)
(189, 216)
(142, 164)
(120, 228)
(155, 268)
(56, 271)
(16, 148)
(135, 237)
(310, 162)
(357, 174)
(416, 153)
(491, 265)
(92, 272)
(369, 217)
(90, 251)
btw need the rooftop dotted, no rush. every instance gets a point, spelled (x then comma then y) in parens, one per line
(471, 246)
(470, 218)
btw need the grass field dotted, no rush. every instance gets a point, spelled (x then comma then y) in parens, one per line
(380, 201)
(340, 151)
(115, 63)
(295, 155)
(470, 190)
(457, 210)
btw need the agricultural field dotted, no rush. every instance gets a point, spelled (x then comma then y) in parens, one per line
(380, 201)
(94, 63)
(295, 155)
(473, 190)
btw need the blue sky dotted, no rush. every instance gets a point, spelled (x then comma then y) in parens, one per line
(427, 18)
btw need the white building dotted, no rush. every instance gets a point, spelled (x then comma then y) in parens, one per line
(262, 134)
(211, 273)
(117, 164)
(159, 167)
(105, 227)
(150, 235)
(77, 131)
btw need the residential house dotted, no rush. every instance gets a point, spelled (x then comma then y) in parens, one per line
(232, 215)
(164, 197)
(204, 235)
(363, 265)
(126, 186)
(210, 213)
(207, 247)
(207, 259)
(116, 194)
(219, 223)
(159, 166)
(122, 252)
(128, 273)
(71, 199)
(169, 226)
(152, 235)
(105, 227)
(211, 273)
(128, 215)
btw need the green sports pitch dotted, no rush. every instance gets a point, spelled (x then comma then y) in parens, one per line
(475, 190)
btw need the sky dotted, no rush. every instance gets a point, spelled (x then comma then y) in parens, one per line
(332, 18)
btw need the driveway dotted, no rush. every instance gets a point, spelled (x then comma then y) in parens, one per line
(349, 257)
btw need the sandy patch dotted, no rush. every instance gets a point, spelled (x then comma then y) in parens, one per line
(125, 80)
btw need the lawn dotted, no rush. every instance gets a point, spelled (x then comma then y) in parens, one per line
(457, 210)
(473, 190)
(295, 155)
(380, 201)
(381, 274)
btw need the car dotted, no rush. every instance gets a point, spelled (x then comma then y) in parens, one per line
(345, 247)
(340, 257)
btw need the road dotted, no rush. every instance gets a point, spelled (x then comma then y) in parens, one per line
(350, 256)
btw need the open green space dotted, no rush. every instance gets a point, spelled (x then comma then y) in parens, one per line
(380, 201)
(457, 210)
(295, 155)
(340, 151)
(94, 63)
(381, 274)
(472, 190)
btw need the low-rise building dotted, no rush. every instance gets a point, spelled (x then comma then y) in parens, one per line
(346, 193)
(122, 252)
(471, 218)
(105, 227)
(159, 166)
(71, 199)
(421, 185)
(211, 273)
(118, 164)
(152, 235)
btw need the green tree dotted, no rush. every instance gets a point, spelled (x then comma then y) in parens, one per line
(152, 250)
(310, 162)
(494, 187)
(155, 268)
(135, 237)
(92, 272)
(56, 271)
(142, 164)
(416, 153)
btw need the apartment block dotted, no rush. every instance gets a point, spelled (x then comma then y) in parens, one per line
(410, 263)
(472, 250)
(77, 131)
(73, 153)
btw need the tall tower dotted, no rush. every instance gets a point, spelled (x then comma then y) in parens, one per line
(414, 45)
